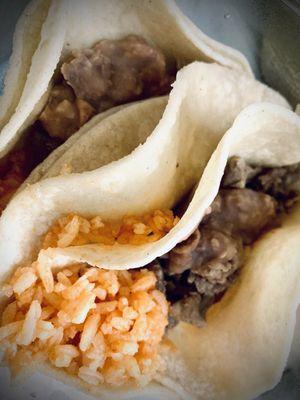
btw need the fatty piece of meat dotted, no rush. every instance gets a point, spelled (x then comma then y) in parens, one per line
(117, 71)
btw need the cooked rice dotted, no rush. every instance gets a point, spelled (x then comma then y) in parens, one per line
(72, 230)
(102, 326)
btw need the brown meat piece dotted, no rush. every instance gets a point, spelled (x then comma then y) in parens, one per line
(215, 276)
(199, 270)
(117, 71)
(216, 256)
(187, 310)
(283, 182)
(213, 289)
(211, 262)
(238, 173)
(64, 114)
(214, 252)
(243, 213)
(181, 258)
(201, 249)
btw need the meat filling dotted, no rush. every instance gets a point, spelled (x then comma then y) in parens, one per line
(197, 272)
(64, 113)
(117, 71)
(112, 72)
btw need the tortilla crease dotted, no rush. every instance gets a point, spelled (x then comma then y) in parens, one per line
(179, 143)
(82, 151)
(202, 363)
(59, 158)
(49, 30)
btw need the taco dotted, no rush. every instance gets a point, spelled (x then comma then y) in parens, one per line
(73, 60)
(176, 264)
(46, 37)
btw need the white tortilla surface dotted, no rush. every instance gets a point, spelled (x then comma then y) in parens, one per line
(202, 106)
(49, 30)
(25, 41)
(244, 347)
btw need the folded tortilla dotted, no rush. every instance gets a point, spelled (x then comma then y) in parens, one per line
(49, 30)
(201, 107)
(26, 40)
(244, 347)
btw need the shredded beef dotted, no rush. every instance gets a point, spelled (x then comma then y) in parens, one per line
(282, 183)
(117, 71)
(112, 72)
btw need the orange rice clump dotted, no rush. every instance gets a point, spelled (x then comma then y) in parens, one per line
(102, 326)
(74, 230)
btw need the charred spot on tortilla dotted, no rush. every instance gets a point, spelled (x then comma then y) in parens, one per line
(111, 73)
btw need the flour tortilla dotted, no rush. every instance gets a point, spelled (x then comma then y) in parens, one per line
(203, 104)
(58, 160)
(82, 152)
(49, 30)
(25, 41)
(36, 50)
(244, 347)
